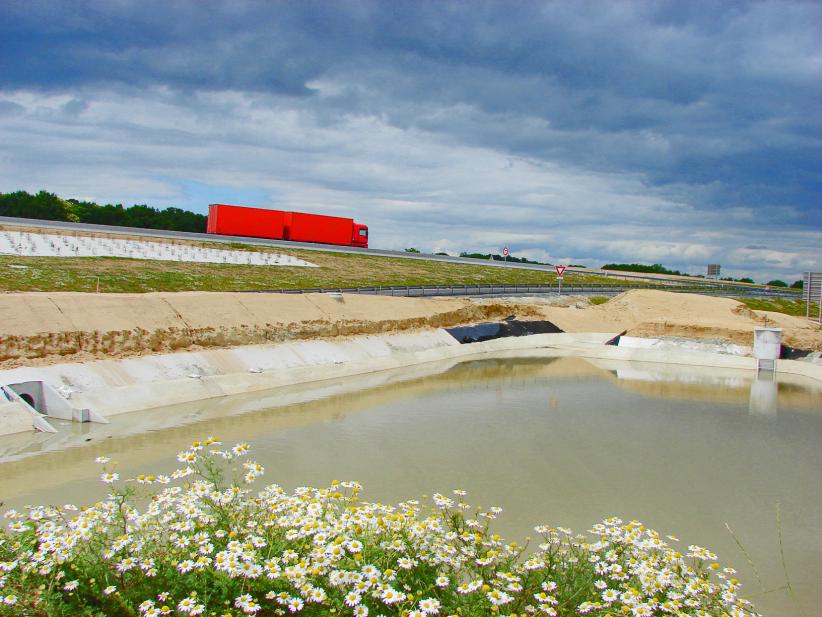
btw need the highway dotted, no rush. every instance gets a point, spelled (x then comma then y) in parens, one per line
(183, 235)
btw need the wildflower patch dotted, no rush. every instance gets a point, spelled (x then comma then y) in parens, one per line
(206, 543)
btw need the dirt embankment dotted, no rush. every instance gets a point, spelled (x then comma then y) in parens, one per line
(651, 313)
(45, 328)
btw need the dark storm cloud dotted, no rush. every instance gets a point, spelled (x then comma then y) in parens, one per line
(253, 46)
(709, 106)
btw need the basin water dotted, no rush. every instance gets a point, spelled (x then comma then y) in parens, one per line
(559, 441)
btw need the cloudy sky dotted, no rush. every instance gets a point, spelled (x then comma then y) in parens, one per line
(681, 132)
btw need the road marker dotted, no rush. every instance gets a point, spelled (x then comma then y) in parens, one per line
(560, 271)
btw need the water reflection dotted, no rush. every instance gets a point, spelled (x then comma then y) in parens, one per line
(764, 400)
(764, 391)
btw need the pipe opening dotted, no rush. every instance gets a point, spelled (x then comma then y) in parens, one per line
(29, 399)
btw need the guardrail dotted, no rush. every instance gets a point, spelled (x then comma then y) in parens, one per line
(419, 291)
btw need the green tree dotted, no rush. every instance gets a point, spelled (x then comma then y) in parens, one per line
(47, 206)
(655, 268)
(777, 283)
(44, 206)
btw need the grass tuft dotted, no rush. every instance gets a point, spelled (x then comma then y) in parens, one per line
(780, 305)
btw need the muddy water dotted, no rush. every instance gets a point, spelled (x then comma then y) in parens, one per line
(551, 440)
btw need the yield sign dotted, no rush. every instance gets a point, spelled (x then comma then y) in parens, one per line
(560, 270)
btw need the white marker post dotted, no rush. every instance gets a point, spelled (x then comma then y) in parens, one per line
(560, 271)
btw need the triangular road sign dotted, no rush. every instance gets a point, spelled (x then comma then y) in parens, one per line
(560, 270)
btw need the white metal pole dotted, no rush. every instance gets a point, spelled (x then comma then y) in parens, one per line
(807, 293)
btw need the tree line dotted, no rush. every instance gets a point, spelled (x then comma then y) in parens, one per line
(47, 206)
(660, 269)
(495, 257)
(654, 269)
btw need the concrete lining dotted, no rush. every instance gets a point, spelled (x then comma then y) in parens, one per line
(111, 387)
(14, 418)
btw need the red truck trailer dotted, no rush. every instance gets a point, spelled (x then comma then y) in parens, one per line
(227, 220)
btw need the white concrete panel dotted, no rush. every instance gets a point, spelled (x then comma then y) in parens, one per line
(265, 357)
(321, 352)
(14, 418)
(633, 342)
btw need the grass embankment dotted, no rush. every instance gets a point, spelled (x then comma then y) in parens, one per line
(122, 275)
(780, 305)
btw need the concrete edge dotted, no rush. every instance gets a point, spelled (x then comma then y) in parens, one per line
(119, 387)
(14, 418)
(157, 394)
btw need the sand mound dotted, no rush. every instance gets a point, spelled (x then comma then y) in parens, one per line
(652, 313)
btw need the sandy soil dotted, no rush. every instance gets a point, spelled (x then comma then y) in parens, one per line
(44, 328)
(651, 313)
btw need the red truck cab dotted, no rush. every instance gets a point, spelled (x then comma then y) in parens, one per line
(360, 236)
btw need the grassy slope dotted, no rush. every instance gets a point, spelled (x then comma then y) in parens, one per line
(779, 305)
(335, 270)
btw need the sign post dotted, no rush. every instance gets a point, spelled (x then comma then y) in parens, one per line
(812, 292)
(560, 271)
(505, 252)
